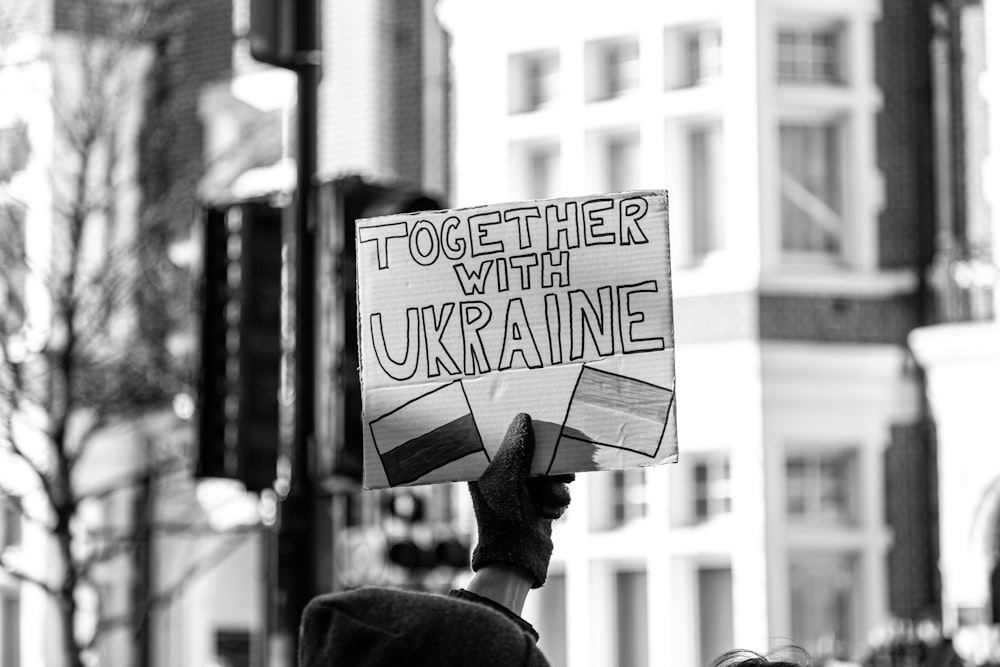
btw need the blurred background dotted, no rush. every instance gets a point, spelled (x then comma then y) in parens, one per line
(179, 406)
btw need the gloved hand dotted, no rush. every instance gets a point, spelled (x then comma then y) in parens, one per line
(515, 512)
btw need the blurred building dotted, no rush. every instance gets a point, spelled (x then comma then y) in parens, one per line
(960, 352)
(795, 140)
(204, 123)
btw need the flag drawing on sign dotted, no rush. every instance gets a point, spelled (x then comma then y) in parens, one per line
(612, 410)
(427, 433)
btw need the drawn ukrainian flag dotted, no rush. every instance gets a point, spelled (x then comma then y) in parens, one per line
(426, 434)
(612, 410)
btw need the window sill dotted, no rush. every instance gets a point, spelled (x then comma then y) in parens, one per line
(833, 278)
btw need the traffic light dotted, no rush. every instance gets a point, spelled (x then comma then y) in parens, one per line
(342, 202)
(281, 32)
(238, 416)
(417, 539)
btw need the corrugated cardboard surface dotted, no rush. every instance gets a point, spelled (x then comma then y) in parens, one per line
(558, 308)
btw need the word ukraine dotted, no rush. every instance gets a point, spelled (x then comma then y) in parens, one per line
(525, 288)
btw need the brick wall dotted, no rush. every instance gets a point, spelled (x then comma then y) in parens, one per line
(911, 511)
(839, 319)
(904, 133)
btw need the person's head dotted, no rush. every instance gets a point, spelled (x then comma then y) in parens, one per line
(789, 656)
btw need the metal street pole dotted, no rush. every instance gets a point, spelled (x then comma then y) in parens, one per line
(297, 556)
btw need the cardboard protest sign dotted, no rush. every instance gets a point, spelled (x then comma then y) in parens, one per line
(559, 308)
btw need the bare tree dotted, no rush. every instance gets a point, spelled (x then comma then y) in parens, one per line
(89, 306)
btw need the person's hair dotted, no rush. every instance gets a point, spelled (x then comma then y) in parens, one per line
(786, 656)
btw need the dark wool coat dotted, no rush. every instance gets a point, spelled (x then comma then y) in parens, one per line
(371, 627)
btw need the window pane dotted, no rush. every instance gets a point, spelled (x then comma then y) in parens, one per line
(543, 172)
(10, 527)
(10, 630)
(621, 68)
(715, 612)
(633, 634)
(622, 163)
(629, 495)
(703, 55)
(810, 189)
(820, 486)
(809, 55)
(551, 622)
(705, 150)
(822, 592)
(711, 488)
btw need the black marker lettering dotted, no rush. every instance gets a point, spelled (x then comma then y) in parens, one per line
(475, 316)
(438, 357)
(560, 268)
(630, 212)
(565, 226)
(595, 220)
(523, 263)
(518, 338)
(407, 368)
(521, 216)
(381, 234)
(473, 282)
(554, 325)
(424, 253)
(582, 313)
(479, 229)
(452, 242)
(628, 318)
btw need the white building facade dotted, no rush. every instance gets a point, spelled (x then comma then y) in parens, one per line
(760, 119)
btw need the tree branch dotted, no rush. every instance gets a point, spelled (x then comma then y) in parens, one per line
(166, 596)
(28, 579)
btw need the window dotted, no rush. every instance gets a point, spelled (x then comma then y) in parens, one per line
(702, 55)
(622, 163)
(715, 612)
(809, 55)
(621, 68)
(551, 620)
(822, 602)
(612, 68)
(712, 496)
(811, 188)
(534, 81)
(628, 495)
(707, 194)
(15, 148)
(233, 647)
(820, 486)
(13, 261)
(10, 526)
(543, 171)
(10, 629)
(632, 619)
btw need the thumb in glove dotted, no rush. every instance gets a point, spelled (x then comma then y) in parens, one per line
(514, 512)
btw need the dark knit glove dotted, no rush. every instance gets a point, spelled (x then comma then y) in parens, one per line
(515, 512)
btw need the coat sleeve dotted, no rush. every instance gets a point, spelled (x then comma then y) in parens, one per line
(371, 627)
